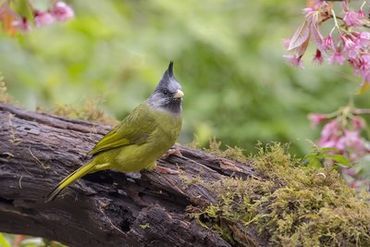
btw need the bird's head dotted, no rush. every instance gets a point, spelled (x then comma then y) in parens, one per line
(168, 93)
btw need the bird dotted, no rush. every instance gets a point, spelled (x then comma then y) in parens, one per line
(141, 138)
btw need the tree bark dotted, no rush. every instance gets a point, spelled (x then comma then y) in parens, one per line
(107, 208)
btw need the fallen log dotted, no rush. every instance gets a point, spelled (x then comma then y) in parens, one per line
(102, 209)
(272, 199)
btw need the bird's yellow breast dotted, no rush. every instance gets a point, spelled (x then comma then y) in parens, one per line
(140, 156)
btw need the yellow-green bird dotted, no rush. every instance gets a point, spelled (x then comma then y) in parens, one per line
(141, 138)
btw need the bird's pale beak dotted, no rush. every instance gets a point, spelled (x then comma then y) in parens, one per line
(179, 94)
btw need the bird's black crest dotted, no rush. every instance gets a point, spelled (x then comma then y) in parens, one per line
(167, 78)
(170, 69)
(163, 95)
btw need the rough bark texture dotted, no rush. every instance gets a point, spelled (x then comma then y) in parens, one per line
(103, 209)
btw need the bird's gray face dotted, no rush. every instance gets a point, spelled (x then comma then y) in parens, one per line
(168, 93)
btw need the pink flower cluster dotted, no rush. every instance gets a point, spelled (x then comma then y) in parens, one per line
(347, 141)
(60, 12)
(342, 132)
(348, 40)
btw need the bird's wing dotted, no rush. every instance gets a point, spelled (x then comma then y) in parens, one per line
(134, 129)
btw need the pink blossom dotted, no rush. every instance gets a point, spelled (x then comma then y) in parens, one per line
(330, 134)
(364, 62)
(353, 18)
(350, 42)
(355, 184)
(365, 37)
(358, 123)
(350, 172)
(361, 66)
(316, 5)
(327, 43)
(337, 57)
(348, 142)
(62, 12)
(352, 143)
(295, 60)
(317, 118)
(362, 39)
(22, 24)
(309, 10)
(43, 19)
(366, 77)
(352, 45)
(318, 57)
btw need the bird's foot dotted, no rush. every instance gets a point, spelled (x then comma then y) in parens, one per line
(165, 170)
(172, 151)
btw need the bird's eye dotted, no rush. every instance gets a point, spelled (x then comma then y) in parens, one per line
(166, 92)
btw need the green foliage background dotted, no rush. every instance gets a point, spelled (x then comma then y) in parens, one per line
(227, 53)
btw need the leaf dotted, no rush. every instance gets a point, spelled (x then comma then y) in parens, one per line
(313, 159)
(326, 150)
(339, 159)
(300, 36)
(365, 86)
(314, 162)
(33, 242)
(23, 8)
(3, 241)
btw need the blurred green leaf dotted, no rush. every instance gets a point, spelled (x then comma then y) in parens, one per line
(339, 159)
(23, 8)
(364, 87)
(33, 242)
(3, 241)
(318, 155)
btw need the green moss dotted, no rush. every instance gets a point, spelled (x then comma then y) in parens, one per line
(4, 96)
(234, 153)
(291, 206)
(88, 111)
(190, 180)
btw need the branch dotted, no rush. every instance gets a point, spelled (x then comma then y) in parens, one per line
(106, 208)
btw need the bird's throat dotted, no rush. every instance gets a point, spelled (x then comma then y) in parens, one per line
(173, 106)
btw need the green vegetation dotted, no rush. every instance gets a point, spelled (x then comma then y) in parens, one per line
(291, 206)
(228, 56)
(3, 241)
(4, 96)
(8, 240)
(89, 111)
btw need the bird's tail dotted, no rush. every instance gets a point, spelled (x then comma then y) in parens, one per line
(80, 172)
